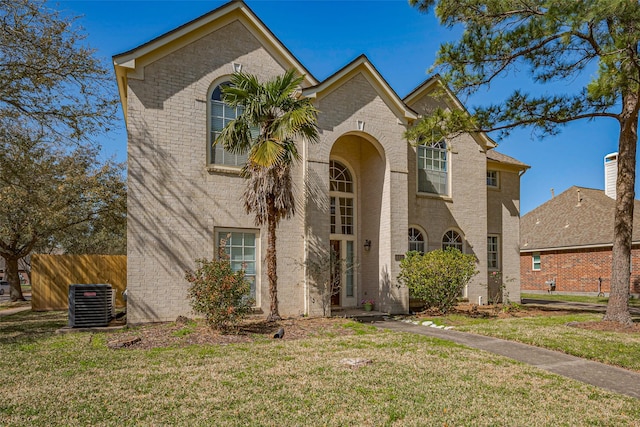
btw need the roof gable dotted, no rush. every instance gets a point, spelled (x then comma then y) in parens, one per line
(362, 65)
(131, 63)
(435, 83)
(577, 217)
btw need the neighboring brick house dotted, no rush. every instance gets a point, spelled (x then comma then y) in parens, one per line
(568, 241)
(362, 190)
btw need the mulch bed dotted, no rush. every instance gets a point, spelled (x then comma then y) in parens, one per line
(184, 332)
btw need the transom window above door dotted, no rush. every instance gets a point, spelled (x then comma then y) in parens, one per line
(342, 204)
(339, 178)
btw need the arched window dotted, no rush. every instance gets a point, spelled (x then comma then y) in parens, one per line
(432, 168)
(220, 115)
(416, 240)
(452, 239)
(341, 191)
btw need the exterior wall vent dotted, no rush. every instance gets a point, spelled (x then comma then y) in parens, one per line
(90, 305)
(610, 174)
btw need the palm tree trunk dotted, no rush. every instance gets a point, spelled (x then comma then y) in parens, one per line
(272, 262)
(618, 306)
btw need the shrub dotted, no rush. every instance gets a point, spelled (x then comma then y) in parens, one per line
(219, 293)
(438, 277)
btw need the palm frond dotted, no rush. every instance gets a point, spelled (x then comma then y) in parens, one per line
(235, 137)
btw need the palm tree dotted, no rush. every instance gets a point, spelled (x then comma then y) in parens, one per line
(272, 120)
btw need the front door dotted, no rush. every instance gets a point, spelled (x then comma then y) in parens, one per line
(336, 273)
(343, 227)
(342, 271)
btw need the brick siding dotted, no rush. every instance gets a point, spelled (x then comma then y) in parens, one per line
(575, 271)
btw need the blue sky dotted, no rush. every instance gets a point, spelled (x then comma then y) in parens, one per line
(399, 41)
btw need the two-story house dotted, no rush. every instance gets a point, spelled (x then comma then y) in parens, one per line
(363, 191)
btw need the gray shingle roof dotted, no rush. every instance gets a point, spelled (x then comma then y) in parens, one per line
(577, 217)
(503, 158)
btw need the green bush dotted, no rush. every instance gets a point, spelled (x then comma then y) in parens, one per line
(437, 278)
(219, 293)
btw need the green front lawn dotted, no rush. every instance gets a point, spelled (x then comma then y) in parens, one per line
(76, 380)
(634, 302)
(554, 332)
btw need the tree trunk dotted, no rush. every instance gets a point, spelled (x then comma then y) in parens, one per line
(272, 263)
(11, 276)
(618, 306)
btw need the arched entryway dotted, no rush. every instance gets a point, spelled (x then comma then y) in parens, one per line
(356, 178)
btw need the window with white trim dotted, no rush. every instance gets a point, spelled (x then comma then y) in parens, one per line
(452, 239)
(241, 247)
(416, 240)
(493, 179)
(493, 252)
(535, 262)
(432, 168)
(341, 189)
(220, 114)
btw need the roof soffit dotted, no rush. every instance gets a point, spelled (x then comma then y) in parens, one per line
(362, 65)
(159, 47)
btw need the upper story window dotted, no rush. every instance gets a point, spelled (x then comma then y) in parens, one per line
(220, 115)
(341, 195)
(432, 168)
(416, 240)
(493, 179)
(452, 239)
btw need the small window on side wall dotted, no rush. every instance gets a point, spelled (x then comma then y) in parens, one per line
(493, 253)
(535, 262)
(493, 179)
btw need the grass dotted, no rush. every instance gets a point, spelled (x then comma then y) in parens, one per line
(553, 332)
(76, 380)
(634, 302)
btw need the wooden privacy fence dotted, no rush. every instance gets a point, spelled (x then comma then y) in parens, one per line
(51, 276)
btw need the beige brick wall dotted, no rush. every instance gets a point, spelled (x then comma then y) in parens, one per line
(174, 203)
(464, 210)
(503, 213)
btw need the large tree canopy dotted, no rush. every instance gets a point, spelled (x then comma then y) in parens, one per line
(55, 96)
(551, 41)
(47, 192)
(48, 78)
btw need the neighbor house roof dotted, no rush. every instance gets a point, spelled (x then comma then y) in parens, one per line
(579, 217)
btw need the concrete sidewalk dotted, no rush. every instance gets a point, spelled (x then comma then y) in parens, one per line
(10, 311)
(598, 374)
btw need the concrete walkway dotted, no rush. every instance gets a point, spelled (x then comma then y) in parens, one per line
(598, 374)
(9, 311)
